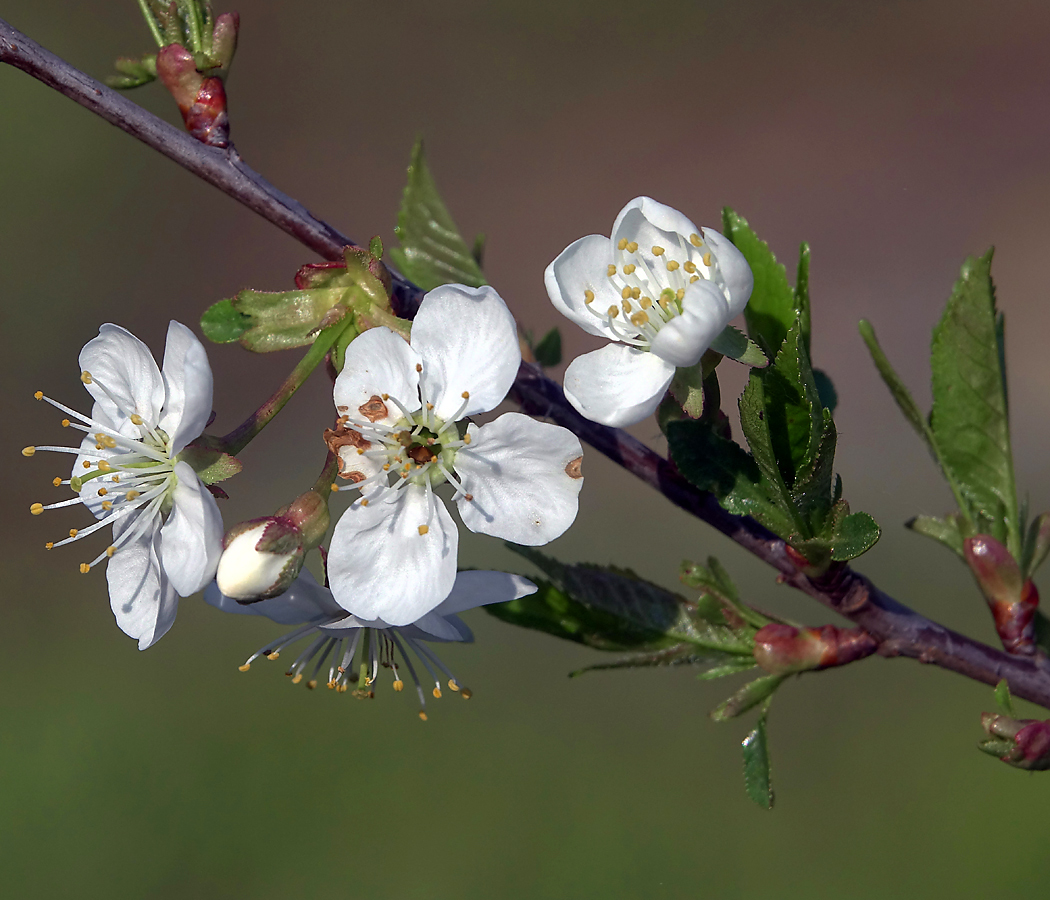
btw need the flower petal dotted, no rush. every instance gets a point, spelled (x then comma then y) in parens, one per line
(143, 600)
(739, 278)
(581, 267)
(479, 588)
(304, 601)
(469, 342)
(377, 362)
(190, 541)
(524, 478)
(646, 218)
(705, 313)
(125, 378)
(617, 385)
(188, 387)
(381, 567)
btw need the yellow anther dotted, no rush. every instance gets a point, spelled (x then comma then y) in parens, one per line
(116, 479)
(73, 532)
(334, 488)
(422, 715)
(626, 293)
(430, 406)
(588, 296)
(693, 278)
(104, 466)
(298, 677)
(66, 423)
(39, 395)
(109, 442)
(423, 529)
(343, 688)
(385, 397)
(244, 668)
(56, 481)
(102, 492)
(136, 419)
(646, 302)
(132, 495)
(28, 451)
(680, 294)
(696, 240)
(629, 269)
(672, 265)
(621, 244)
(658, 251)
(331, 685)
(632, 247)
(465, 395)
(468, 497)
(110, 550)
(49, 545)
(452, 686)
(273, 654)
(627, 307)
(36, 509)
(85, 377)
(664, 302)
(364, 502)
(107, 505)
(636, 293)
(611, 270)
(707, 260)
(312, 683)
(360, 451)
(437, 692)
(466, 693)
(84, 568)
(613, 311)
(399, 685)
(466, 439)
(689, 266)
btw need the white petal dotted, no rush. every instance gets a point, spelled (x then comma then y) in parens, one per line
(469, 342)
(381, 567)
(377, 362)
(119, 362)
(188, 387)
(617, 385)
(190, 542)
(304, 601)
(432, 626)
(141, 597)
(524, 478)
(646, 218)
(705, 313)
(580, 267)
(479, 588)
(739, 278)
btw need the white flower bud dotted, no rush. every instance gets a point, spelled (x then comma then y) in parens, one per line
(261, 559)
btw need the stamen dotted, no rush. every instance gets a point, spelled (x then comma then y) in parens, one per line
(611, 270)
(28, 451)
(632, 247)
(658, 251)
(622, 244)
(629, 269)
(696, 240)
(588, 296)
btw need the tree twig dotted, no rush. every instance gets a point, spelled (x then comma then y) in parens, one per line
(900, 631)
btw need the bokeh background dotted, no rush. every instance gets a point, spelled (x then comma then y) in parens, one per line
(896, 137)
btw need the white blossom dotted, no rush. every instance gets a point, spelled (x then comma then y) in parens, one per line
(167, 531)
(402, 409)
(661, 289)
(337, 638)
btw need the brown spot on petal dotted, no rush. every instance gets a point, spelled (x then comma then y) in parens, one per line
(574, 469)
(421, 455)
(344, 443)
(374, 410)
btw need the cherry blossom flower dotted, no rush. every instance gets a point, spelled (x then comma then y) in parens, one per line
(402, 432)
(661, 289)
(337, 638)
(167, 531)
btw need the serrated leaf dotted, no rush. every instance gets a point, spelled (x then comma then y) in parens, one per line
(757, 772)
(969, 418)
(949, 531)
(713, 464)
(771, 310)
(432, 251)
(718, 594)
(548, 351)
(812, 491)
(748, 697)
(1003, 699)
(802, 294)
(732, 342)
(678, 655)
(754, 408)
(857, 534)
(738, 665)
(209, 462)
(223, 324)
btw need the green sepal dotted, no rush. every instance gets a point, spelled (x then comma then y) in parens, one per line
(1003, 699)
(758, 779)
(432, 252)
(133, 73)
(748, 697)
(548, 350)
(223, 324)
(280, 321)
(732, 342)
(951, 530)
(687, 388)
(211, 463)
(772, 309)
(996, 747)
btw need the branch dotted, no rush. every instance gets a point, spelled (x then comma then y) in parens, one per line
(899, 630)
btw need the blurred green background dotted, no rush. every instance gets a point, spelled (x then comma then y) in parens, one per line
(896, 137)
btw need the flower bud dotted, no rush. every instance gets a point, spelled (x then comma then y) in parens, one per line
(1013, 601)
(260, 559)
(783, 649)
(1022, 743)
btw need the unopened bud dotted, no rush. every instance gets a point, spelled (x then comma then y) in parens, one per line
(261, 559)
(782, 649)
(1012, 599)
(309, 513)
(1022, 743)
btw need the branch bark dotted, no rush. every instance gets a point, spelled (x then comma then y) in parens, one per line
(899, 631)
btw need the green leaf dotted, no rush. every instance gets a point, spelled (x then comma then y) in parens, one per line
(1036, 545)
(1003, 699)
(950, 531)
(548, 351)
(996, 747)
(757, 772)
(748, 697)
(714, 464)
(133, 73)
(802, 294)
(211, 463)
(223, 324)
(736, 345)
(772, 310)
(755, 424)
(969, 418)
(678, 655)
(432, 252)
(280, 321)
(733, 667)
(857, 534)
(718, 593)
(687, 387)
(812, 491)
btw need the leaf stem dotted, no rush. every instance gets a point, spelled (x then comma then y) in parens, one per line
(147, 14)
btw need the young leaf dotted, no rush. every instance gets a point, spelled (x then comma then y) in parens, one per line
(223, 324)
(969, 417)
(950, 531)
(280, 321)
(211, 463)
(771, 310)
(687, 387)
(734, 667)
(757, 773)
(1036, 544)
(548, 351)
(432, 252)
(1003, 699)
(802, 294)
(755, 407)
(736, 345)
(748, 697)
(857, 534)
(812, 491)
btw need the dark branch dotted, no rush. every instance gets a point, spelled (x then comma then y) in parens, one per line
(899, 630)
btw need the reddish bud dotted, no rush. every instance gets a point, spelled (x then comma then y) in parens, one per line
(1026, 741)
(1013, 601)
(783, 649)
(201, 100)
